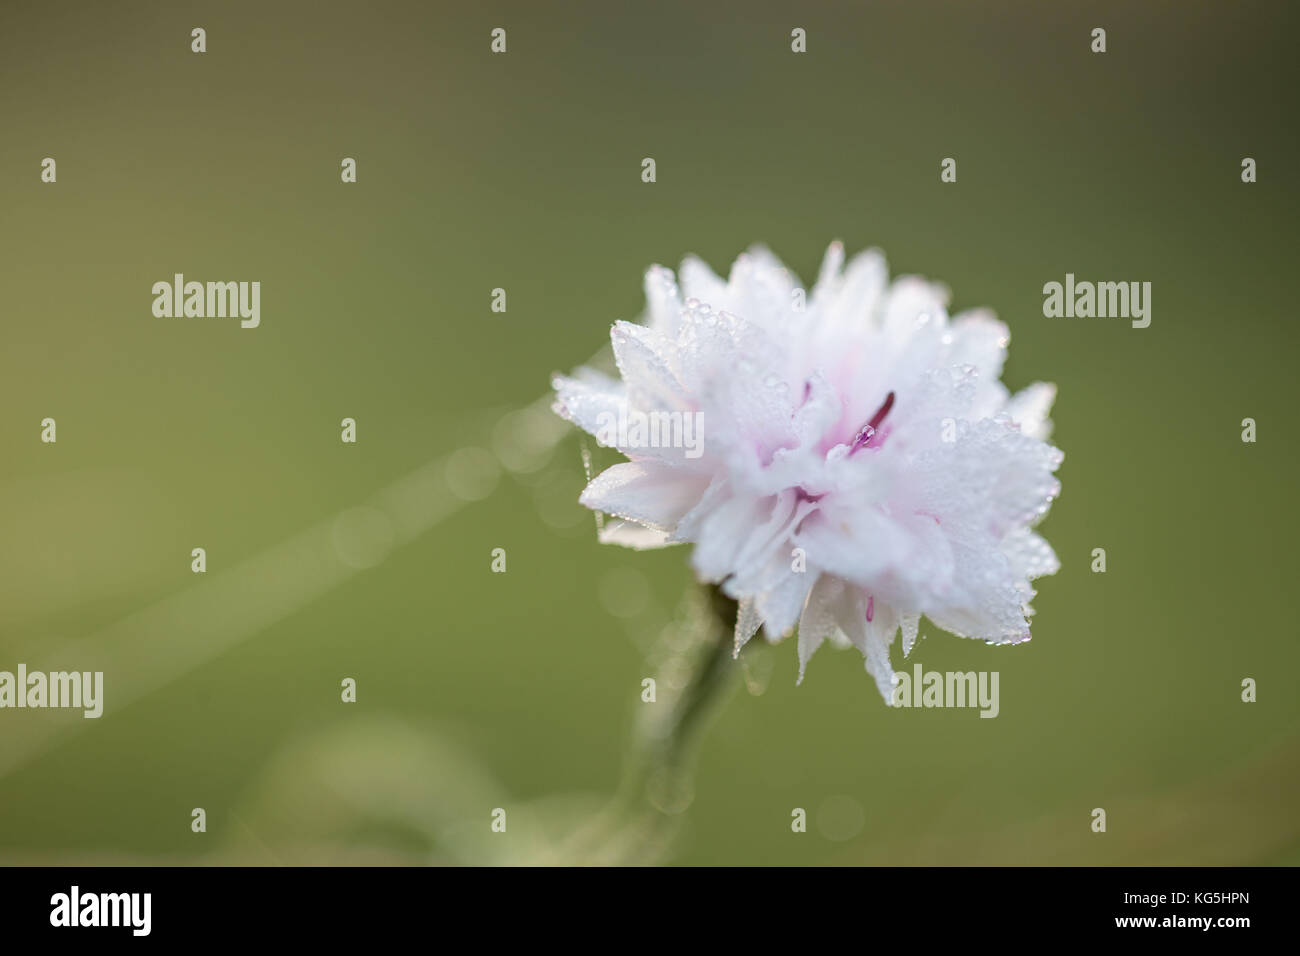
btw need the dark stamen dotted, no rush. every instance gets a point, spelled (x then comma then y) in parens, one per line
(879, 417)
(869, 429)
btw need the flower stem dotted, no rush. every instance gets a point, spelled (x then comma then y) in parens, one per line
(694, 671)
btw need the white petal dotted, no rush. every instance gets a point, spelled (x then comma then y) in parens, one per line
(857, 544)
(880, 635)
(733, 537)
(910, 624)
(1030, 407)
(644, 356)
(747, 623)
(829, 273)
(857, 293)
(630, 535)
(1029, 555)
(761, 289)
(914, 306)
(818, 619)
(647, 493)
(782, 603)
(819, 411)
(992, 475)
(588, 403)
(663, 301)
(984, 600)
(688, 528)
(698, 281)
(978, 339)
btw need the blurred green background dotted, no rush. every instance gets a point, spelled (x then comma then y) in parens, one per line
(475, 171)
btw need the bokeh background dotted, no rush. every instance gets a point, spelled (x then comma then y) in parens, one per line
(518, 690)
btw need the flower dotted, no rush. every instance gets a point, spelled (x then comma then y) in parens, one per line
(858, 461)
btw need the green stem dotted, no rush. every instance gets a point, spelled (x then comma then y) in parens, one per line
(638, 825)
(658, 779)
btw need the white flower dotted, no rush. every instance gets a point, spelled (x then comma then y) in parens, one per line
(861, 463)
